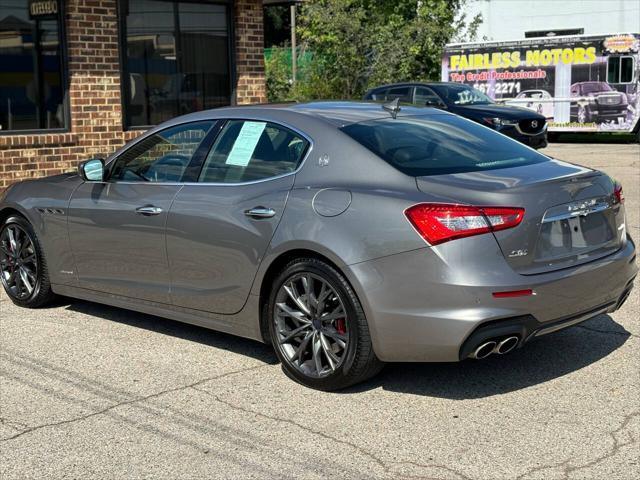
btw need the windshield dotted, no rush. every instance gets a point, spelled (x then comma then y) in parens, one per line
(591, 87)
(461, 95)
(440, 144)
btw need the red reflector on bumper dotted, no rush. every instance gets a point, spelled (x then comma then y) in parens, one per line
(513, 293)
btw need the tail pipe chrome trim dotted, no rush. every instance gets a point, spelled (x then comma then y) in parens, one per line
(506, 345)
(483, 350)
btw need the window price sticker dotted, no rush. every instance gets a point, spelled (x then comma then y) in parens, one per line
(245, 144)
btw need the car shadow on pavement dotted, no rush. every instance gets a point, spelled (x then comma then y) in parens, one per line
(541, 360)
(185, 331)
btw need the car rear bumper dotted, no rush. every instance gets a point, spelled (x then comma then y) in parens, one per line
(423, 305)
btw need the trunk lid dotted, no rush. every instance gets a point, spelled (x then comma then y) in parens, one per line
(571, 216)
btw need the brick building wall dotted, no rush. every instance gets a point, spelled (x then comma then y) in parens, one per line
(251, 86)
(96, 126)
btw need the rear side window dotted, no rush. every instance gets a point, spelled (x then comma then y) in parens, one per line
(250, 150)
(440, 144)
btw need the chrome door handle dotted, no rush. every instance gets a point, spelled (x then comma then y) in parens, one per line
(260, 212)
(149, 210)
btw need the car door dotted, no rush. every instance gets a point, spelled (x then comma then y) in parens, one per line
(116, 227)
(219, 228)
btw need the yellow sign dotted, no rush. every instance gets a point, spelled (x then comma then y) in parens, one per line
(621, 43)
(533, 58)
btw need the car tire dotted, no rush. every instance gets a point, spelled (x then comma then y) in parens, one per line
(29, 284)
(323, 294)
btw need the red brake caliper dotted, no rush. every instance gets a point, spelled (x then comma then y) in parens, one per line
(341, 326)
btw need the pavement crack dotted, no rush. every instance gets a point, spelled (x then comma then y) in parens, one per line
(567, 469)
(528, 473)
(617, 445)
(385, 466)
(140, 399)
(13, 424)
(431, 465)
(319, 433)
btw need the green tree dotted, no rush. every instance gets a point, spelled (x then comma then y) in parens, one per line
(277, 67)
(357, 44)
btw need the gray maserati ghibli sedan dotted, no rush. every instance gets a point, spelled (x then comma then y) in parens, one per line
(345, 234)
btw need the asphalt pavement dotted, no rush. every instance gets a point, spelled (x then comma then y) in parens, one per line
(90, 391)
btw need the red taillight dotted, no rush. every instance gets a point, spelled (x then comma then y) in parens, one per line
(441, 222)
(617, 193)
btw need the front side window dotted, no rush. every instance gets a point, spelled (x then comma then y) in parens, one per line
(426, 96)
(32, 87)
(177, 58)
(440, 144)
(620, 69)
(161, 157)
(246, 151)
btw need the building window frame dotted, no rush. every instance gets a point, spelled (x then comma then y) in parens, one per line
(125, 84)
(64, 80)
(618, 59)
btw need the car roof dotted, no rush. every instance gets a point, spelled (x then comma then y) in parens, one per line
(352, 112)
(413, 84)
(337, 113)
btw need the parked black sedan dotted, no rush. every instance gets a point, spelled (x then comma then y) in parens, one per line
(521, 124)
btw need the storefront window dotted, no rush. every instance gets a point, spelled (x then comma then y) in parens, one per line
(32, 87)
(620, 69)
(176, 58)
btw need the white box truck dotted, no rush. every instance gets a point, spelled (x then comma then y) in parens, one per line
(580, 83)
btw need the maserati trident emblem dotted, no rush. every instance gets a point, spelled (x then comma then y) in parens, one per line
(323, 161)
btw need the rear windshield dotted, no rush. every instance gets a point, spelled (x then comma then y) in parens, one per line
(440, 144)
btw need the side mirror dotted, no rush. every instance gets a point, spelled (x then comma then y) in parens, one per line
(92, 170)
(435, 104)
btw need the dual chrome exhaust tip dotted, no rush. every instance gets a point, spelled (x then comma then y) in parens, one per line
(495, 346)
